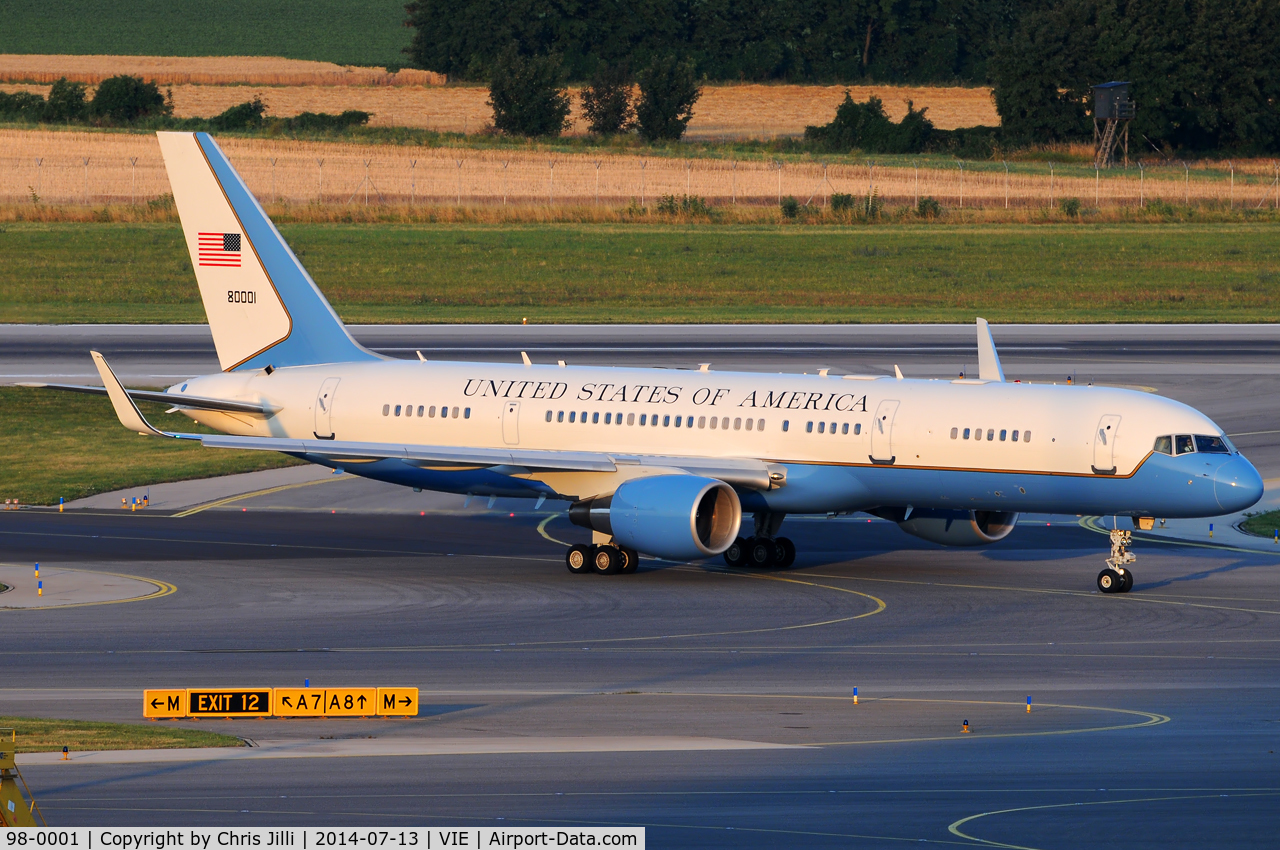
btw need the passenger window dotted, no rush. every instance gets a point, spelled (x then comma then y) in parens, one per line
(688, 423)
(715, 422)
(653, 421)
(1003, 434)
(955, 432)
(386, 409)
(431, 412)
(595, 418)
(1026, 436)
(666, 421)
(466, 414)
(617, 419)
(1211, 445)
(1183, 444)
(702, 422)
(786, 425)
(548, 415)
(1015, 436)
(678, 418)
(759, 424)
(977, 433)
(398, 410)
(560, 416)
(583, 417)
(1164, 445)
(631, 419)
(572, 416)
(857, 428)
(419, 411)
(749, 424)
(808, 427)
(966, 433)
(408, 410)
(822, 427)
(833, 427)
(844, 429)
(642, 418)
(991, 434)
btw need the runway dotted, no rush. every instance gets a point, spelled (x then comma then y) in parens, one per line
(555, 699)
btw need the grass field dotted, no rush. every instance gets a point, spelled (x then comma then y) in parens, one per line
(347, 32)
(43, 735)
(1263, 525)
(677, 273)
(71, 445)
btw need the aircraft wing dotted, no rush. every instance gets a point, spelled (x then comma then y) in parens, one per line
(176, 399)
(747, 472)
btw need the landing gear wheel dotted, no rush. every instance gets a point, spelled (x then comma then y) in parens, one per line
(606, 560)
(630, 561)
(578, 560)
(786, 552)
(760, 552)
(1127, 584)
(1110, 581)
(736, 555)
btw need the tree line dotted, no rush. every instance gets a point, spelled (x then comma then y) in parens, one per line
(1205, 74)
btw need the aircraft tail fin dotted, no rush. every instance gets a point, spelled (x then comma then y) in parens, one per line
(263, 307)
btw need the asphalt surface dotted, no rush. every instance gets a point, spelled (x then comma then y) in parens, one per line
(1155, 717)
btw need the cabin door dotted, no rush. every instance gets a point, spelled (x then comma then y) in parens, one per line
(324, 408)
(1104, 445)
(882, 432)
(511, 423)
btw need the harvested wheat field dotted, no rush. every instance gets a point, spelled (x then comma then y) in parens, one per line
(204, 70)
(114, 168)
(204, 86)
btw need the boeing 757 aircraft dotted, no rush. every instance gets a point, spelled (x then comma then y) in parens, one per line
(660, 461)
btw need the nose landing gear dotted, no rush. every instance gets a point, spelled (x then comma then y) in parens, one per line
(1115, 578)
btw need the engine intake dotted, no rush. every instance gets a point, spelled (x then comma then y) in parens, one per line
(960, 528)
(671, 516)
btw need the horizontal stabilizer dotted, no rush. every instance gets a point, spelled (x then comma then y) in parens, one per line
(175, 399)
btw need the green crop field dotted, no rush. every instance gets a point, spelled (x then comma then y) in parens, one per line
(355, 32)
(68, 445)
(697, 273)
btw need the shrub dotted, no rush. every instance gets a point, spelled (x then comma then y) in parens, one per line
(841, 202)
(124, 99)
(668, 91)
(528, 95)
(606, 102)
(691, 205)
(66, 102)
(865, 126)
(929, 208)
(21, 106)
(1070, 207)
(245, 116)
(326, 121)
(790, 207)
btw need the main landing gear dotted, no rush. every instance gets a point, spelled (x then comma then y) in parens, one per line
(764, 549)
(602, 560)
(1115, 578)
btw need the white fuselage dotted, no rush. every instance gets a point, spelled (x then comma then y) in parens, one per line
(878, 424)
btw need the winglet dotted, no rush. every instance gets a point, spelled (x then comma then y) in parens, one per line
(126, 410)
(988, 361)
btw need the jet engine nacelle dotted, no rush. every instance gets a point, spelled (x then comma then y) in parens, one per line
(960, 528)
(679, 517)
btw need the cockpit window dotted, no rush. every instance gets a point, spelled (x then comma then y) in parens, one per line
(1164, 445)
(1212, 445)
(1184, 444)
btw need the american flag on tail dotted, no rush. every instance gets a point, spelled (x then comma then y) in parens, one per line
(219, 249)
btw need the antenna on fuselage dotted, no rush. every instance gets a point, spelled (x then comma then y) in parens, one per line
(988, 361)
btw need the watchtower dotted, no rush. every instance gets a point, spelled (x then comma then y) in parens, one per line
(1112, 112)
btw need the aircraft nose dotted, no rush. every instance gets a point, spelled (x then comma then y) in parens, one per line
(1237, 485)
